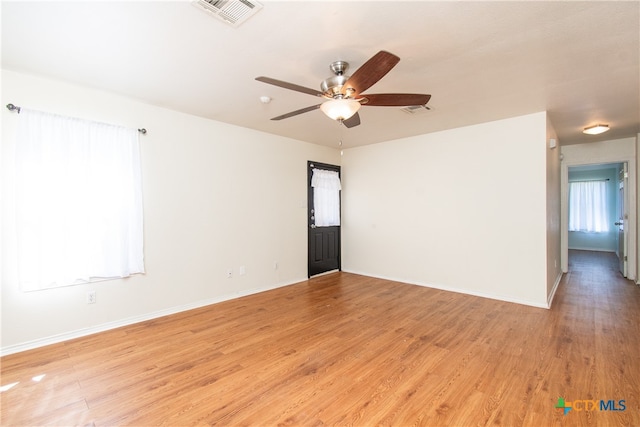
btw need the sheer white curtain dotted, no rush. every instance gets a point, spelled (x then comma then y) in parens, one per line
(588, 206)
(78, 201)
(326, 197)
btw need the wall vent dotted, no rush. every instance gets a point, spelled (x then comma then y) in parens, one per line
(416, 109)
(233, 12)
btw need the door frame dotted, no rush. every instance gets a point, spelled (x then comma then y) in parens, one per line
(622, 248)
(326, 166)
(632, 209)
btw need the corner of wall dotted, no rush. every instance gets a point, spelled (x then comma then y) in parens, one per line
(553, 196)
(200, 180)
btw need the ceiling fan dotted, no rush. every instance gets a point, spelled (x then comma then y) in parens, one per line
(344, 94)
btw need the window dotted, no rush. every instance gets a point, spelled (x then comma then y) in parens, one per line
(588, 206)
(78, 201)
(326, 197)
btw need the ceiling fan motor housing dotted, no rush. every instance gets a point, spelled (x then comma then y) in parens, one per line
(332, 85)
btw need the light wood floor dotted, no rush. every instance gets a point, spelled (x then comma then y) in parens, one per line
(350, 350)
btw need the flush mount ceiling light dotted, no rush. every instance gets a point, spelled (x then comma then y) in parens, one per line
(596, 129)
(340, 109)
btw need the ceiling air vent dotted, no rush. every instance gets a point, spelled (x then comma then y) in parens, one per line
(416, 109)
(233, 12)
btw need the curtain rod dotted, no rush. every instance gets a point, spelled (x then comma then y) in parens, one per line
(590, 180)
(17, 109)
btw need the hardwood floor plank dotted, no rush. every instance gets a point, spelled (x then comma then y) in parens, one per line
(349, 349)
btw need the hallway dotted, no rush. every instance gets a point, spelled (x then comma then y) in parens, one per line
(595, 270)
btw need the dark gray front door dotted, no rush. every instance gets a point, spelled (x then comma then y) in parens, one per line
(324, 242)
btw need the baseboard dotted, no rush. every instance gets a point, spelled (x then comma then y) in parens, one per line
(456, 290)
(552, 294)
(54, 339)
(79, 333)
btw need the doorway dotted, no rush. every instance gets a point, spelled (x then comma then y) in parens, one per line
(323, 218)
(598, 215)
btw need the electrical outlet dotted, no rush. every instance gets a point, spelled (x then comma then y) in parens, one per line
(242, 270)
(91, 297)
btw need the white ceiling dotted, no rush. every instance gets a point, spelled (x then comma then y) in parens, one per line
(480, 61)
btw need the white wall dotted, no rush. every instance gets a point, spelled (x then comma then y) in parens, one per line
(216, 197)
(469, 210)
(612, 151)
(463, 210)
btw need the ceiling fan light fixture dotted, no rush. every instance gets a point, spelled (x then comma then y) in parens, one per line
(596, 129)
(340, 109)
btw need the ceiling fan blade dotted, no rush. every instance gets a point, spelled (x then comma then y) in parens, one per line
(352, 121)
(370, 72)
(395, 99)
(295, 113)
(288, 85)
